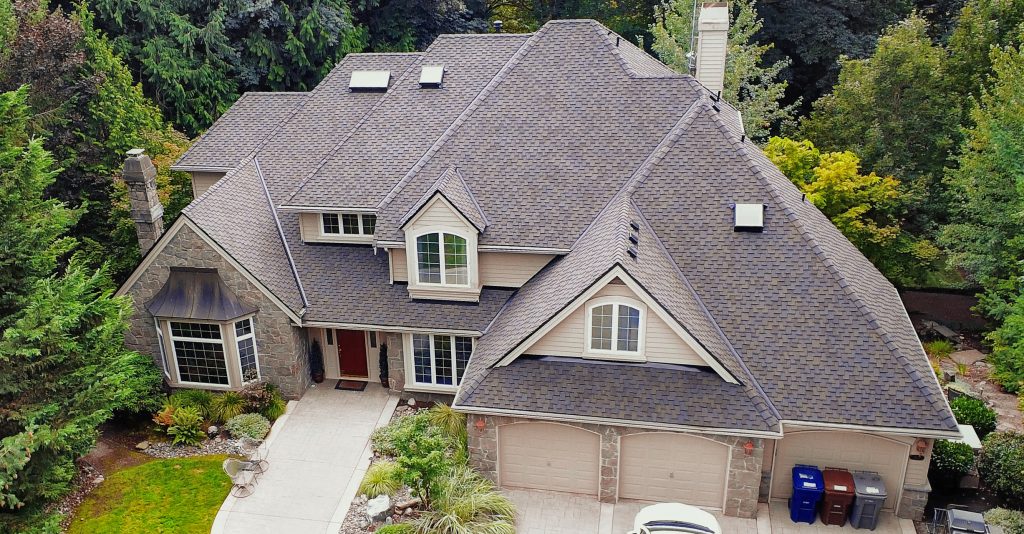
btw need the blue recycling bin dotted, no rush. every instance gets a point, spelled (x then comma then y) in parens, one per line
(808, 487)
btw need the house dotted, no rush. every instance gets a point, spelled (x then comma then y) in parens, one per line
(573, 243)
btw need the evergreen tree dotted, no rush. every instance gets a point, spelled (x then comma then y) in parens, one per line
(752, 84)
(197, 57)
(987, 239)
(65, 367)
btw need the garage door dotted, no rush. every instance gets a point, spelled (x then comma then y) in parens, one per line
(848, 450)
(549, 456)
(673, 468)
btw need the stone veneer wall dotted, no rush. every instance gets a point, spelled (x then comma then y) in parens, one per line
(280, 345)
(741, 486)
(913, 501)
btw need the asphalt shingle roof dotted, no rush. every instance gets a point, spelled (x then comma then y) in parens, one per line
(553, 140)
(239, 130)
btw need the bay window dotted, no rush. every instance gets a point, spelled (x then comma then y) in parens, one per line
(199, 353)
(246, 341)
(213, 354)
(440, 360)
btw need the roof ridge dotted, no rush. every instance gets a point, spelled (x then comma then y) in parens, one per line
(348, 135)
(452, 128)
(830, 265)
(218, 184)
(280, 233)
(469, 191)
(773, 411)
(666, 144)
(616, 53)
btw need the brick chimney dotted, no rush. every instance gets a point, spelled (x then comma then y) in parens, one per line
(712, 41)
(146, 211)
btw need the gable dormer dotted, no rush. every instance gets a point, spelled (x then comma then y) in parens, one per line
(617, 323)
(441, 252)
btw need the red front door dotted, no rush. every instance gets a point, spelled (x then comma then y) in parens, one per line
(352, 353)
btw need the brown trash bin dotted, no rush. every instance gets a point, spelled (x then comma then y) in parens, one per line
(839, 492)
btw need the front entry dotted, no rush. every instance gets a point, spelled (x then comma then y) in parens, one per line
(352, 353)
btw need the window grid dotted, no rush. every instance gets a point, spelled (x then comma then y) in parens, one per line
(437, 357)
(449, 268)
(329, 223)
(428, 259)
(369, 224)
(200, 360)
(247, 358)
(615, 328)
(350, 223)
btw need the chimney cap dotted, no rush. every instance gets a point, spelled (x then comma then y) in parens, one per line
(136, 152)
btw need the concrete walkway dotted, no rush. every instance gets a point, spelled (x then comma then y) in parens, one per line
(318, 453)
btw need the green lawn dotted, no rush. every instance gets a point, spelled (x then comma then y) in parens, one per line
(180, 495)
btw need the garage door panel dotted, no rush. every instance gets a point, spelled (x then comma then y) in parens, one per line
(549, 456)
(847, 450)
(673, 468)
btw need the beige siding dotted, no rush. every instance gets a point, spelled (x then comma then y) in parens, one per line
(497, 269)
(662, 344)
(309, 229)
(855, 451)
(917, 470)
(201, 181)
(438, 213)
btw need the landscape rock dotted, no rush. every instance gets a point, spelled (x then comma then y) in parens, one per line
(213, 430)
(411, 401)
(378, 508)
(143, 445)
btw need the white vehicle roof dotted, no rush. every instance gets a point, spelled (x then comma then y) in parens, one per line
(674, 517)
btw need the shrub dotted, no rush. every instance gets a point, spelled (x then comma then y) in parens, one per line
(974, 412)
(1012, 521)
(465, 502)
(950, 461)
(423, 450)
(186, 426)
(939, 348)
(251, 425)
(195, 398)
(227, 405)
(382, 478)
(397, 528)
(163, 418)
(1002, 465)
(451, 422)
(263, 398)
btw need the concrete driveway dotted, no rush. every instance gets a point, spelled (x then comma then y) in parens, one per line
(544, 512)
(318, 453)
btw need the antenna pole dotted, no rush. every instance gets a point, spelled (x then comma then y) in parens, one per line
(692, 52)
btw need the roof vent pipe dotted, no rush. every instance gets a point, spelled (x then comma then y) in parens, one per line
(712, 43)
(497, 26)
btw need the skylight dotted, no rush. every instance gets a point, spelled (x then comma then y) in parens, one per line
(369, 80)
(431, 75)
(749, 217)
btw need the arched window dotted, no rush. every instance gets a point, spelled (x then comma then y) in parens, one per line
(443, 259)
(614, 326)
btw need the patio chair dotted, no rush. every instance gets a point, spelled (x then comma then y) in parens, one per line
(243, 479)
(257, 455)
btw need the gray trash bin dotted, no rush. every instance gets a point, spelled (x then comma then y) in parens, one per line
(867, 507)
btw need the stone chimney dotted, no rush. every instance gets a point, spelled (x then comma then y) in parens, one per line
(146, 211)
(712, 40)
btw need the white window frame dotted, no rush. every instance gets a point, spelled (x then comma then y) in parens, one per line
(224, 349)
(163, 351)
(444, 268)
(360, 217)
(255, 350)
(414, 384)
(615, 353)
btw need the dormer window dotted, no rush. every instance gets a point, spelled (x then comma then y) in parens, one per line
(615, 327)
(442, 258)
(353, 224)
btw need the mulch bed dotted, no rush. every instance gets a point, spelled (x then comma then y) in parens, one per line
(84, 482)
(356, 521)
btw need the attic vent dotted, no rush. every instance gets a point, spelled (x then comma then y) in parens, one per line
(749, 217)
(369, 80)
(634, 239)
(431, 75)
